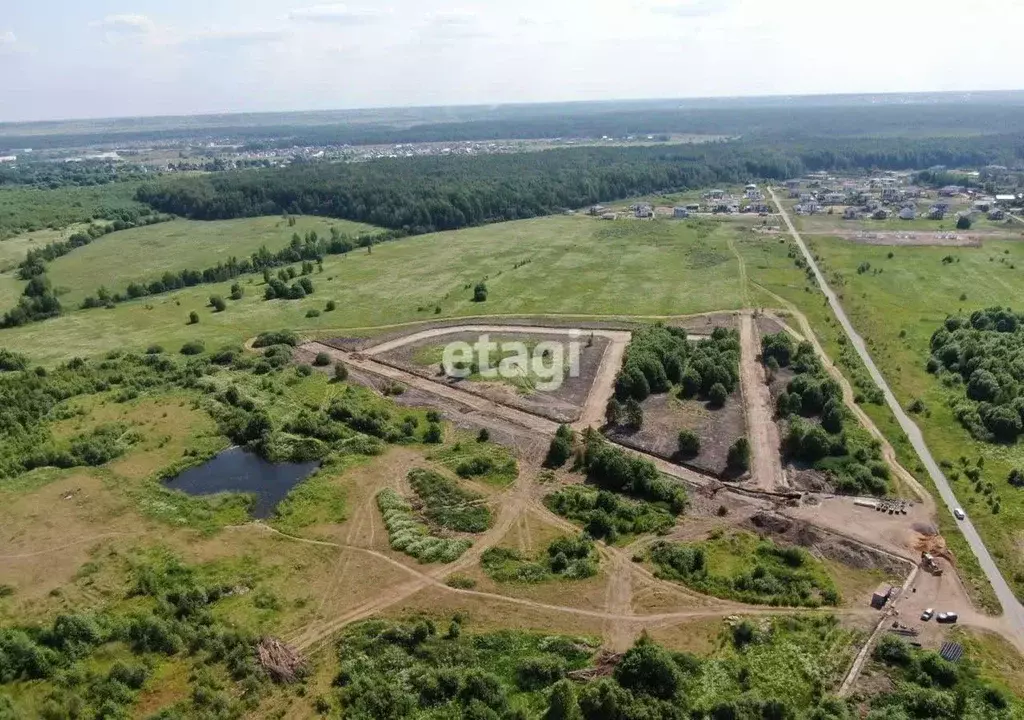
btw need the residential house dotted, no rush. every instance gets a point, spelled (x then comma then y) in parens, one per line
(597, 210)
(997, 214)
(936, 213)
(950, 191)
(833, 198)
(643, 211)
(880, 214)
(851, 213)
(892, 195)
(680, 212)
(908, 213)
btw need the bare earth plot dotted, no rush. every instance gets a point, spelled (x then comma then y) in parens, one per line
(873, 545)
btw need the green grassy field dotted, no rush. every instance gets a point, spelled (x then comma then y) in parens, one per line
(24, 209)
(144, 254)
(565, 265)
(896, 311)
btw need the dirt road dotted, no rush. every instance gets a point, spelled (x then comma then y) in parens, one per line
(766, 467)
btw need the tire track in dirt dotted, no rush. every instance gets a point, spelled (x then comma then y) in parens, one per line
(423, 580)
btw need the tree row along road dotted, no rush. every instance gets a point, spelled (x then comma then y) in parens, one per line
(1013, 611)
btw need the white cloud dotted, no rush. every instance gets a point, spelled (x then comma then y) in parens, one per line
(454, 24)
(8, 38)
(234, 38)
(125, 24)
(693, 8)
(337, 14)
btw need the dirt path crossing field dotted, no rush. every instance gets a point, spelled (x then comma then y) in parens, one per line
(761, 428)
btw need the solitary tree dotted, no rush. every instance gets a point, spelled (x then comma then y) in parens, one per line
(963, 222)
(217, 303)
(193, 318)
(634, 414)
(340, 371)
(689, 443)
(612, 412)
(480, 292)
(738, 458)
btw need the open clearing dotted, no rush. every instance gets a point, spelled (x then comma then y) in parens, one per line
(143, 254)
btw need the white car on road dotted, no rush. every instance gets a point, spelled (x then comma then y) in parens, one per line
(959, 513)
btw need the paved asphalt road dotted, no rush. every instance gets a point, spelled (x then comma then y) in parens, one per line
(1013, 611)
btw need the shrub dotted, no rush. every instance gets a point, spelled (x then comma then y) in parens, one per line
(480, 292)
(217, 303)
(312, 313)
(12, 361)
(963, 222)
(330, 306)
(279, 337)
(194, 347)
(340, 371)
(689, 444)
(483, 436)
(717, 395)
(237, 292)
(408, 535)
(322, 359)
(434, 434)
(738, 459)
(193, 318)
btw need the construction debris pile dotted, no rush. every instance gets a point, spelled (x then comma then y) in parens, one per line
(282, 662)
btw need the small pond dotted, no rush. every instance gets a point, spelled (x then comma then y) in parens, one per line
(237, 470)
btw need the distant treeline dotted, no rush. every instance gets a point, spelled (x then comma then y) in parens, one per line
(427, 194)
(51, 174)
(780, 119)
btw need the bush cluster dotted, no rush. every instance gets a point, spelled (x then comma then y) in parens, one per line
(984, 356)
(407, 534)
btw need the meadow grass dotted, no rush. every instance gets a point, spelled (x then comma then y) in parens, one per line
(565, 264)
(143, 254)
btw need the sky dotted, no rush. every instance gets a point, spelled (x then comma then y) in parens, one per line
(103, 58)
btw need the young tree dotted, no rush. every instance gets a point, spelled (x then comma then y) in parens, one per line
(237, 292)
(634, 415)
(484, 435)
(217, 303)
(193, 318)
(613, 412)
(717, 395)
(340, 372)
(434, 433)
(689, 443)
(963, 222)
(480, 292)
(738, 458)
(322, 359)
(563, 704)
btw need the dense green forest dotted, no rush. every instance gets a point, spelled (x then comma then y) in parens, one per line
(427, 194)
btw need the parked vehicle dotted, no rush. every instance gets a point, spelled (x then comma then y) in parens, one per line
(947, 618)
(928, 614)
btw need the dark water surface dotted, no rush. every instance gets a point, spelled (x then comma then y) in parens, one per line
(237, 470)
